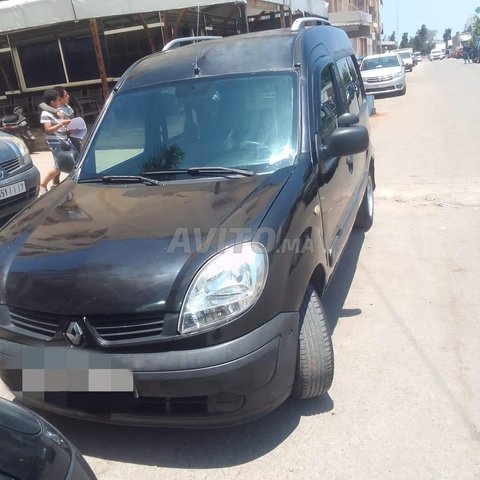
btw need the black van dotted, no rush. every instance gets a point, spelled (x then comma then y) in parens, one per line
(175, 277)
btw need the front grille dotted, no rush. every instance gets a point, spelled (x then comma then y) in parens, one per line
(114, 329)
(379, 79)
(10, 165)
(125, 328)
(42, 325)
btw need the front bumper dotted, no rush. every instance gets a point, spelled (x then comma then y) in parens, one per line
(225, 384)
(395, 85)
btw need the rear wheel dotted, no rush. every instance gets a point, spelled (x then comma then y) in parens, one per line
(314, 371)
(365, 212)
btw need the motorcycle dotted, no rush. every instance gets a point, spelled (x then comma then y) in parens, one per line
(17, 125)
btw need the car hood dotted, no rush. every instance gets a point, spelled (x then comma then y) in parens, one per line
(380, 72)
(98, 249)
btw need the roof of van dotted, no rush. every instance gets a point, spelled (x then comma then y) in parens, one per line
(270, 50)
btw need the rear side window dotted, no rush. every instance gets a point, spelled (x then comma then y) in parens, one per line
(350, 84)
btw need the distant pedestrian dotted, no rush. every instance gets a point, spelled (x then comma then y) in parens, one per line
(466, 56)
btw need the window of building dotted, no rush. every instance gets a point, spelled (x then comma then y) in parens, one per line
(8, 79)
(126, 48)
(42, 64)
(80, 58)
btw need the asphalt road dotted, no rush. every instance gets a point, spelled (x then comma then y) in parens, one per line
(404, 306)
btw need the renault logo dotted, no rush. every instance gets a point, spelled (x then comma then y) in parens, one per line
(74, 333)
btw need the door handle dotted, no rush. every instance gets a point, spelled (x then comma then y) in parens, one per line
(349, 161)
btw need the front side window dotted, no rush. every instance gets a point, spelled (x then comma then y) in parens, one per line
(350, 85)
(244, 122)
(328, 112)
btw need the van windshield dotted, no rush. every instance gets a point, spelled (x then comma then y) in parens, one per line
(238, 121)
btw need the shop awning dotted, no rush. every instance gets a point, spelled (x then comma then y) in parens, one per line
(23, 14)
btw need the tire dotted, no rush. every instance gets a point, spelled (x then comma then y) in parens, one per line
(315, 365)
(366, 210)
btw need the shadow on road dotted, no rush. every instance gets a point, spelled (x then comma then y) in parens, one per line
(189, 449)
(336, 293)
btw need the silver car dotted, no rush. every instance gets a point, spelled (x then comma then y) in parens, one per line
(384, 73)
(19, 178)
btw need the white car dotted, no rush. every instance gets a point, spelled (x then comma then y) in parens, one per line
(407, 58)
(384, 73)
(436, 54)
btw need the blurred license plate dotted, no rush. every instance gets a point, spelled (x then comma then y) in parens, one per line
(12, 190)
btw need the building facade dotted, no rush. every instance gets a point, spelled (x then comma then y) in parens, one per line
(361, 21)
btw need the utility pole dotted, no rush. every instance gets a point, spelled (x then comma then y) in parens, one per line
(397, 36)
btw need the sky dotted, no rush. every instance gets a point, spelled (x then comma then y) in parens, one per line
(435, 14)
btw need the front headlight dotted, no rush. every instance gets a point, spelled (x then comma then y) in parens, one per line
(225, 287)
(20, 144)
(398, 75)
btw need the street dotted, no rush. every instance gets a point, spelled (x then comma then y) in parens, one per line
(403, 307)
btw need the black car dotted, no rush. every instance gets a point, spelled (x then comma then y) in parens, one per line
(32, 449)
(175, 278)
(19, 178)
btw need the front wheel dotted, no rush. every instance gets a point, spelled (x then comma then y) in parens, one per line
(314, 370)
(365, 212)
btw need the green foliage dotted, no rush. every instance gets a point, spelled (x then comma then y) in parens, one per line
(404, 43)
(392, 38)
(476, 26)
(424, 40)
(447, 35)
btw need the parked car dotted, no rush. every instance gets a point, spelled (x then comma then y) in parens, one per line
(31, 448)
(186, 256)
(436, 54)
(407, 58)
(384, 73)
(19, 178)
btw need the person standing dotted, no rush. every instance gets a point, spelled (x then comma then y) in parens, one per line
(63, 111)
(56, 132)
(466, 56)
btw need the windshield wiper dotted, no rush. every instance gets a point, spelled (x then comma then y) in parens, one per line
(200, 170)
(130, 179)
(238, 171)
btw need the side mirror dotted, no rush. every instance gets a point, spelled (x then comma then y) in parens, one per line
(345, 141)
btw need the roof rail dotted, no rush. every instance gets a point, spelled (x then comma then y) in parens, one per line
(299, 23)
(179, 42)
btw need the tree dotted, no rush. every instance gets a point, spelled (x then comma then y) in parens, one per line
(404, 42)
(392, 38)
(447, 35)
(420, 40)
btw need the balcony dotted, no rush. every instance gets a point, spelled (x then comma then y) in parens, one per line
(355, 23)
